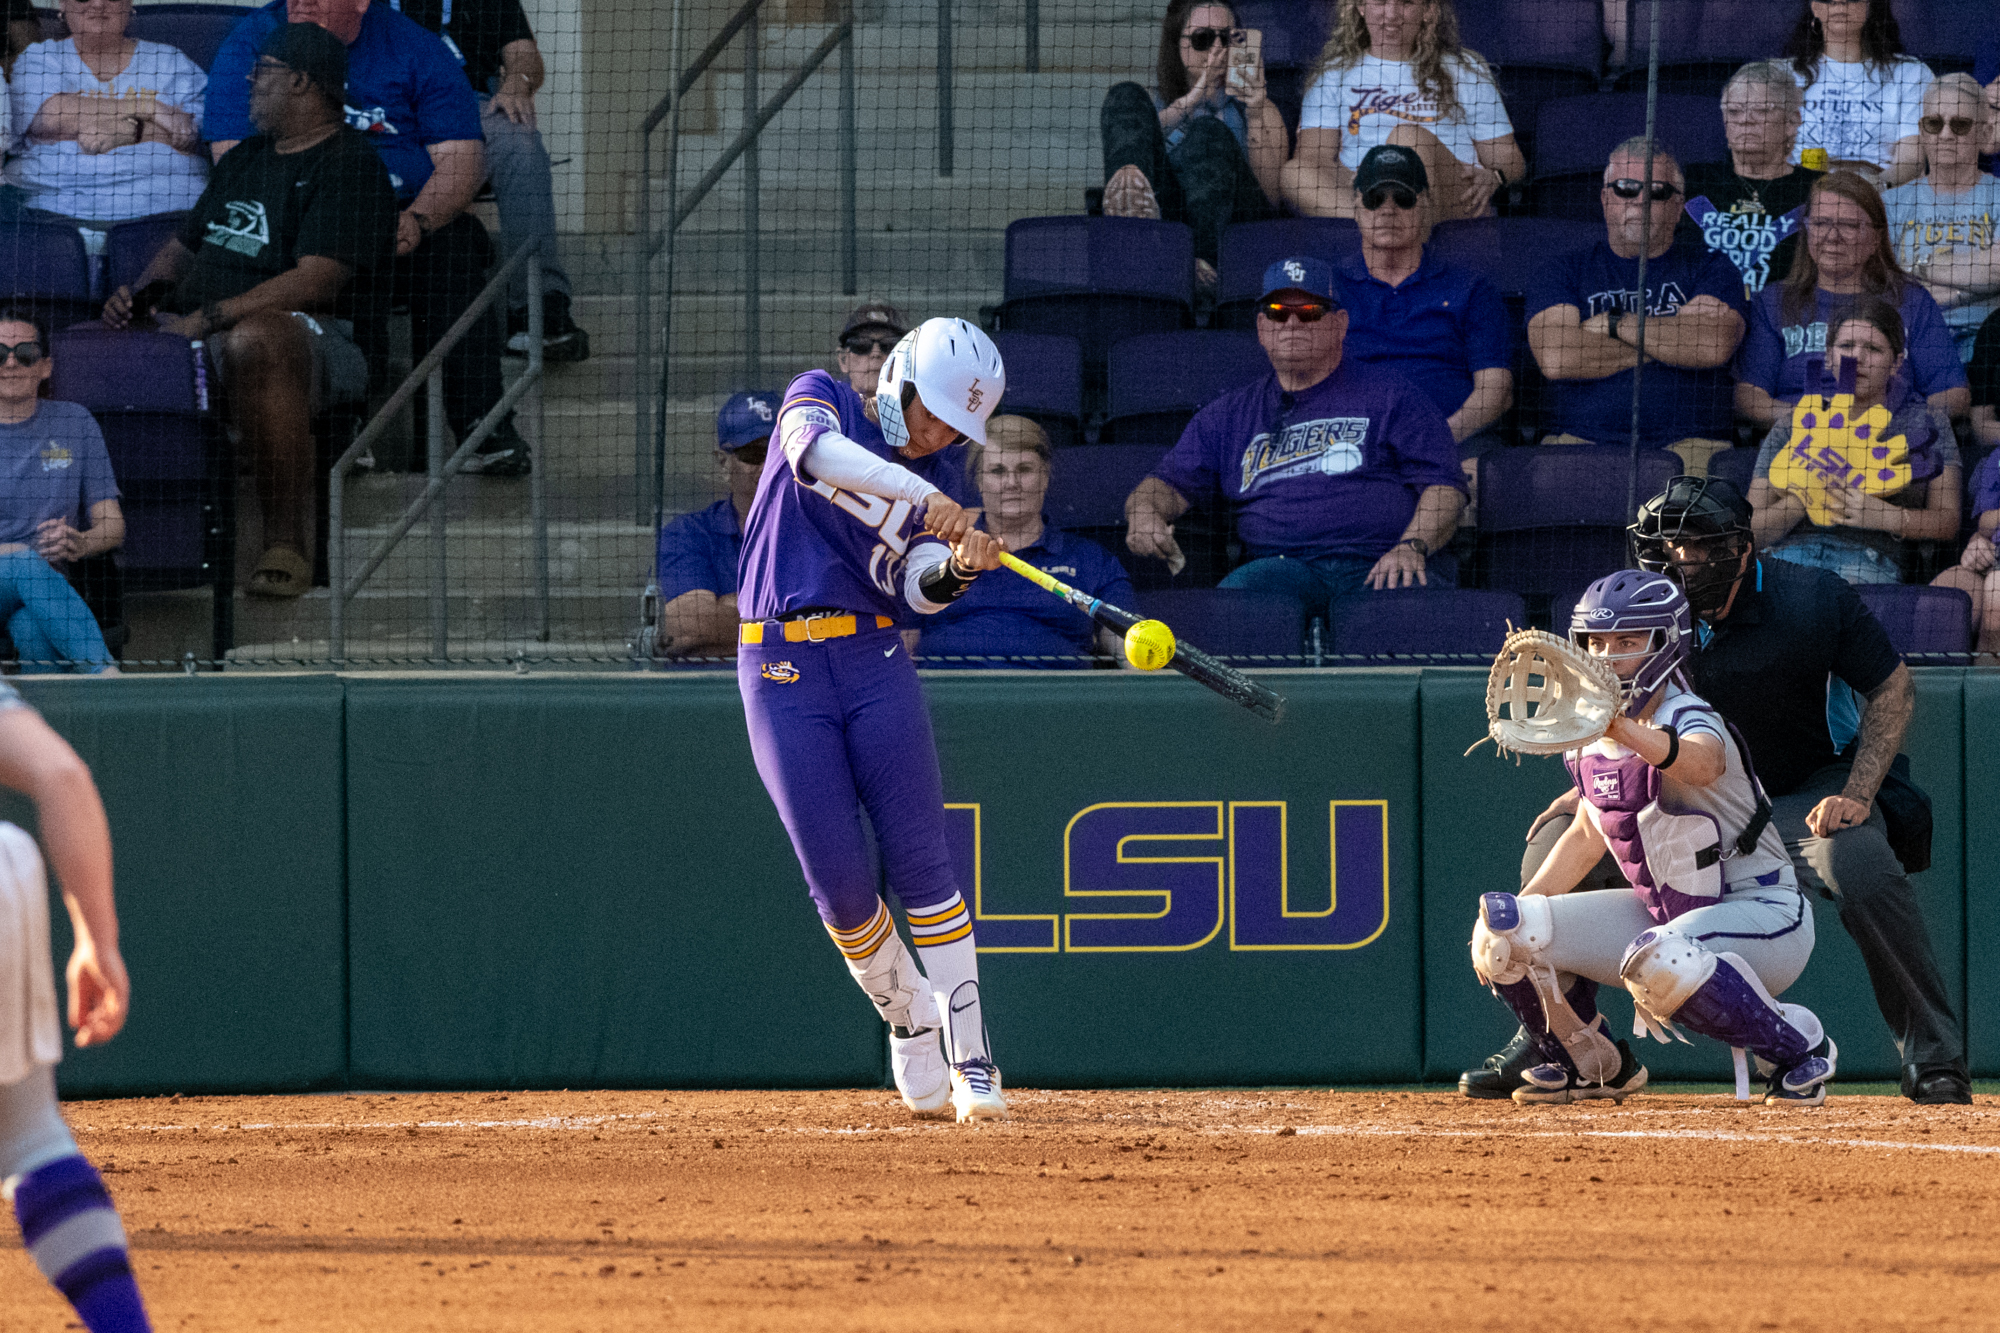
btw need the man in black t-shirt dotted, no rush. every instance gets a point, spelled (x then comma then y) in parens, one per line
(492, 41)
(259, 270)
(1752, 207)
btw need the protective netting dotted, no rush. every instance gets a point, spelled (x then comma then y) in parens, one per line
(1429, 219)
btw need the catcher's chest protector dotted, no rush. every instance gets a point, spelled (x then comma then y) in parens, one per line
(1672, 861)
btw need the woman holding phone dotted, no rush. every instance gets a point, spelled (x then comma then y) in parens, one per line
(1207, 146)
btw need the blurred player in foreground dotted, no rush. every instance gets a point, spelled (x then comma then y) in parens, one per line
(848, 527)
(1715, 925)
(68, 1223)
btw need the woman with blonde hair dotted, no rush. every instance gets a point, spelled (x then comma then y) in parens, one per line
(1393, 72)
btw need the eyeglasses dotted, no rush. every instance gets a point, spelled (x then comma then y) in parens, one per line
(863, 346)
(1203, 39)
(1846, 227)
(1631, 189)
(1962, 126)
(1309, 312)
(1401, 196)
(24, 354)
(1752, 115)
(266, 65)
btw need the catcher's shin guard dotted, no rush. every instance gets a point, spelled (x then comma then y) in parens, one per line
(1509, 949)
(886, 973)
(1673, 978)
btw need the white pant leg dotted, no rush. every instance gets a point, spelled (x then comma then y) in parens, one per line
(1770, 929)
(1591, 932)
(30, 1029)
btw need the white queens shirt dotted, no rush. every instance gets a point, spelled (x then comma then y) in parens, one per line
(131, 181)
(1857, 114)
(1367, 100)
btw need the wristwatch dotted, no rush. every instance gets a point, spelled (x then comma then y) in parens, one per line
(1423, 547)
(1611, 320)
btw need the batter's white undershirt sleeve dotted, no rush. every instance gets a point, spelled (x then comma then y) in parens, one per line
(818, 450)
(923, 559)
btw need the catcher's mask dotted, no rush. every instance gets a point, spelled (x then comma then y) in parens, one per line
(1632, 601)
(1696, 532)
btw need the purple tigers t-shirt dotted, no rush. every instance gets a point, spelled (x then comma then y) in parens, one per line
(1334, 470)
(807, 544)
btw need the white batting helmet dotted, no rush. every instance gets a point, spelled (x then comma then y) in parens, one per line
(953, 367)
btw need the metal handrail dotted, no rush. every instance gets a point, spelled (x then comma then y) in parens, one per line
(430, 373)
(649, 411)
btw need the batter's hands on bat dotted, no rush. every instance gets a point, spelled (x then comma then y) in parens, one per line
(978, 551)
(1834, 814)
(1561, 807)
(99, 993)
(943, 517)
(1399, 567)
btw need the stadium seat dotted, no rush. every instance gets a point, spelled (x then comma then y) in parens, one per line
(1087, 487)
(1044, 383)
(1540, 49)
(1944, 33)
(1734, 465)
(1575, 135)
(1508, 252)
(43, 266)
(1553, 517)
(1295, 32)
(1160, 380)
(1248, 248)
(1387, 628)
(1703, 42)
(130, 246)
(199, 30)
(1099, 280)
(172, 466)
(1935, 623)
(1244, 628)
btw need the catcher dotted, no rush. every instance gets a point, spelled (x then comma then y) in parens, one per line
(1715, 927)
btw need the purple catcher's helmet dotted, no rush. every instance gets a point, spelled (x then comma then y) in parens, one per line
(1633, 600)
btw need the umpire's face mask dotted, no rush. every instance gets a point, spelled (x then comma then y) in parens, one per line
(1708, 570)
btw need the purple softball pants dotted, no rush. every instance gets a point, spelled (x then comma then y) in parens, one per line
(837, 728)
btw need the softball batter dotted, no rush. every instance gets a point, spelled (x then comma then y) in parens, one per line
(1714, 927)
(848, 530)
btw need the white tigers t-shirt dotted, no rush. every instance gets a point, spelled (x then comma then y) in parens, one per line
(1369, 99)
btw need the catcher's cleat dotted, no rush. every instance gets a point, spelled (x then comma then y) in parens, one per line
(1555, 1085)
(916, 1058)
(975, 1091)
(1804, 1084)
(1501, 1073)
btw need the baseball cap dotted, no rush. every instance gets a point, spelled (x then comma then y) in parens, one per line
(745, 419)
(1390, 164)
(876, 315)
(313, 52)
(1314, 277)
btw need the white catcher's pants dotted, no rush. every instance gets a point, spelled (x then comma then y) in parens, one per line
(1771, 929)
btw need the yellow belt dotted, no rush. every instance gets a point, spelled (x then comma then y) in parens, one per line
(807, 631)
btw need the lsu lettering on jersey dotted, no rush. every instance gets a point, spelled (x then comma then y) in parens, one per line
(807, 544)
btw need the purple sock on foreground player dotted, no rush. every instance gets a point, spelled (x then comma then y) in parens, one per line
(850, 530)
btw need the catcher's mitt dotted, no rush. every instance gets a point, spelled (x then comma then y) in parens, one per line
(1545, 695)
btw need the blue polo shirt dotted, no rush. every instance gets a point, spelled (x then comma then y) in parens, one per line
(700, 550)
(1004, 616)
(404, 90)
(1436, 329)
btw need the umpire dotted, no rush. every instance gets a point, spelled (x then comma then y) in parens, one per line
(1778, 642)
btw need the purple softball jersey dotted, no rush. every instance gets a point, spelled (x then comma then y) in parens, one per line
(810, 545)
(1335, 470)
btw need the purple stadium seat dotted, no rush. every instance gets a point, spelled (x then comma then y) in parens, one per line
(1945, 33)
(1734, 465)
(1295, 32)
(1507, 252)
(42, 264)
(198, 30)
(1553, 517)
(1099, 280)
(1434, 623)
(1539, 49)
(1087, 488)
(1703, 42)
(1923, 621)
(1160, 380)
(130, 246)
(1244, 628)
(1575, 135)
(1044, 382)
(1248, 248)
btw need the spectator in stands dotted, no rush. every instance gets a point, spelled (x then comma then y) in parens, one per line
(1206, 147)
(1941, 225)
(1863, 543)
(1582, 329)
(1863, 96)
(1441, 327)
(106, 127)
(259, 273)
(867, 336)
(1752, 207)
(1977, 573)
(24, 29)
(495, 46)
(1984, 373)
(1341, 476)
(696, 564)
(59, 504)
(1846, 254)
(407, 93)
(1393, 72)
(1010, 622)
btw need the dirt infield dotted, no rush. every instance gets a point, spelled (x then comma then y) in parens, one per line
(1103, 1210)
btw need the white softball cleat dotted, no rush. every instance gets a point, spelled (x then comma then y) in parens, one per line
(975, 1091)
(922, 1077)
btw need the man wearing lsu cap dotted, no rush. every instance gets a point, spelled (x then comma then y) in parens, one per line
(1341, 476)
(696, 566)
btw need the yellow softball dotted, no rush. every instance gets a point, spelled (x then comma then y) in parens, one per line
(1149, 645)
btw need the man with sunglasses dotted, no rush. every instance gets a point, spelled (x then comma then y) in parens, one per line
(1583, 330)
(1942, 224)
(1441, 327)
(867, 336)
(1341, 476)
(698, 552)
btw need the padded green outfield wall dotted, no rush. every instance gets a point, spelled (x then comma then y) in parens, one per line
(579, 882)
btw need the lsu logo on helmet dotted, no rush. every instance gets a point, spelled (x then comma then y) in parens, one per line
(784, 673)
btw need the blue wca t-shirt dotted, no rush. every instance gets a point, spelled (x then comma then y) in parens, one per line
(404, 90)
(53, 465)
